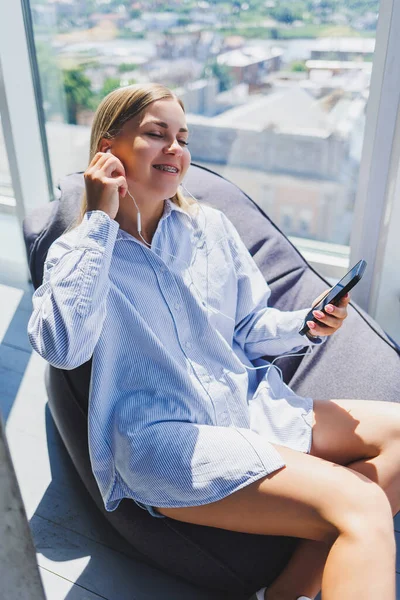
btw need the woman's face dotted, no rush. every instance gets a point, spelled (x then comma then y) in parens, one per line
(148, 144)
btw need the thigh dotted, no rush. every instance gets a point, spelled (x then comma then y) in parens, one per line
(308, 498)
(348, 430)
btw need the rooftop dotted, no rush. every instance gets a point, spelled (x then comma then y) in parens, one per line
(289, 110)
(339, 44)
(243, 57)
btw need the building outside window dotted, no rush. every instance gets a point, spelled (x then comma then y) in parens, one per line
(275, 96)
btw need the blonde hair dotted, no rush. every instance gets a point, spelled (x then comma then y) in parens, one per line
(115, 110)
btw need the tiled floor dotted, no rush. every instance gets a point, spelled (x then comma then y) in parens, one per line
(80, 557)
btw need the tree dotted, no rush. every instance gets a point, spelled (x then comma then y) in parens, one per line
(135, 13)
(183, 21)
(221, 72)
(110, 84)
(298, 66)
(78, 92)
(126, 67)
(285, 14)
(51, 82)
(274, 33)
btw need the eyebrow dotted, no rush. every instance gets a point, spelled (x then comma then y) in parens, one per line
(162, 124)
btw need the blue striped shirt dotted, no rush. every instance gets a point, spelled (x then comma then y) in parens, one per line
(175, 418)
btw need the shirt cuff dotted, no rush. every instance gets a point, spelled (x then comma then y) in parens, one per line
(315, 340)
(98, 231)
(308, 338)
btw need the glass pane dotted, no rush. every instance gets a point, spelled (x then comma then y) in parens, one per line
(275, 91)
(12, 251)
(6, 189)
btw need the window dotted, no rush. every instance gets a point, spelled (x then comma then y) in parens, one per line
(275, 93)
(287, 220)
(276, 99)
(305, 222)
(12, 251)
(6, 189)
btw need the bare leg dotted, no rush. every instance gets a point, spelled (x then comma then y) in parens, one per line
(316, 499)
(303, 574)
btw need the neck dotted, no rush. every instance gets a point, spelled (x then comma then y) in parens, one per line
(150, 213)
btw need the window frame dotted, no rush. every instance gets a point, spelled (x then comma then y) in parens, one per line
(20, 115)
(379, 160)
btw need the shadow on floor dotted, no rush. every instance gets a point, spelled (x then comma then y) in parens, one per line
(69, 530)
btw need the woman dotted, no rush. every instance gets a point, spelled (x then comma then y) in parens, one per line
(172, 307)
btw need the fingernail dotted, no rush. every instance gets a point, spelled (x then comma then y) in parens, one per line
(329, 308)
(311, 324)
(318, 314)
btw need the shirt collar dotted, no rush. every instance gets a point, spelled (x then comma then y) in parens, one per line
(169, 207)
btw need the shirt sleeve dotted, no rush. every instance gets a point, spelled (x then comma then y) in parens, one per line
(259, 329)
(69, 307)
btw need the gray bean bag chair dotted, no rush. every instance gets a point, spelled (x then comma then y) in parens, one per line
(359, 361)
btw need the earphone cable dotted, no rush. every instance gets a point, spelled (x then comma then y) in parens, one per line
(269, 365)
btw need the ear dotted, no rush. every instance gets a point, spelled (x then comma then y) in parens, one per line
(105, 145)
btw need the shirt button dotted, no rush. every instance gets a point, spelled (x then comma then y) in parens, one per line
(162, 269)
(177, 306)
(188, 345)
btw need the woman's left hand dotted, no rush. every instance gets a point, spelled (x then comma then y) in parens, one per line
(332, 317)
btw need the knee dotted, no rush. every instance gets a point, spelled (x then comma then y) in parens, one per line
(368, 513)
(357, 510)
(395, 424)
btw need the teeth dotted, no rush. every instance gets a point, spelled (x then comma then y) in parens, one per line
(164, 168)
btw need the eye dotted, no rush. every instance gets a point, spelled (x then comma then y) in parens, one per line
(157, 135)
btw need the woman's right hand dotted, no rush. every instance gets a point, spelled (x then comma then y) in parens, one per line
(105, 181)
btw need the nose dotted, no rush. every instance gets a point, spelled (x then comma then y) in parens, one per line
(175, 146)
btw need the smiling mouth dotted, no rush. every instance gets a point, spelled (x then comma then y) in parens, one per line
(166, 169)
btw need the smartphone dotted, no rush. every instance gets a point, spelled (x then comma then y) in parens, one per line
(336, 293)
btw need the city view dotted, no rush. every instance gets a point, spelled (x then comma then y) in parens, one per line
(275, 91)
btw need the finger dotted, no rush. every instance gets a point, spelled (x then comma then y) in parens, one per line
(113, 165)
(344, 301)
(317, 300)
(97, 161)
(327, 320)
(319, 331)
(97, 164)
(122, 185)
(336, 311)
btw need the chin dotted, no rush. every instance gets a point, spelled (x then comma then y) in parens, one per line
(169, 191)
